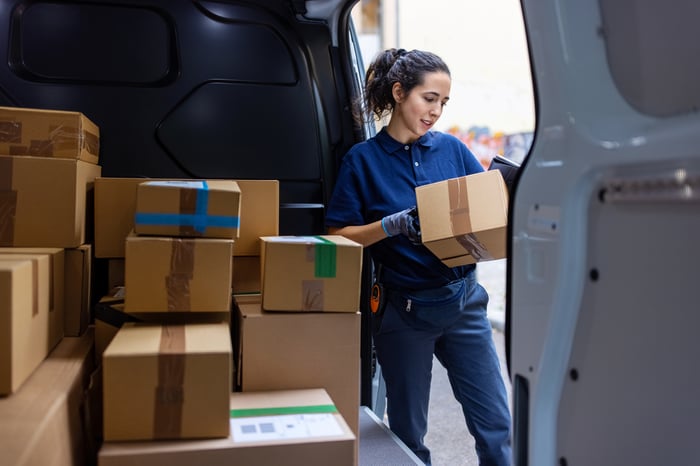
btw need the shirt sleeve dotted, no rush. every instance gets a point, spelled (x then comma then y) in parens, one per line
(345, 206)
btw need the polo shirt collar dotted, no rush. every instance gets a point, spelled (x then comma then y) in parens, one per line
(391, 145)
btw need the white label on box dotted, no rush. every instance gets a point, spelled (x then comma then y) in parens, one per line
(177, 184)
(294, 239)
(288, 426)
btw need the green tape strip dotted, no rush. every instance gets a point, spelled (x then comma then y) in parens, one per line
(325, 254)
(255, 412)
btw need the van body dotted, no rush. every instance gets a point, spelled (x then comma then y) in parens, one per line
(602, 293)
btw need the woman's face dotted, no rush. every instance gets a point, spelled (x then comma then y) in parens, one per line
(416, 112)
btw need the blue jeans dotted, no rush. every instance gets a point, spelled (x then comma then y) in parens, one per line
(451, 323)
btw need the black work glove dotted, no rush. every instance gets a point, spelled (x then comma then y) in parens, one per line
(405, 223)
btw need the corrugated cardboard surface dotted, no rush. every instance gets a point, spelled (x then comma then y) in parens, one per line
(41, 423)
(57, 302)
(178, 274)
(115, 206)
(24, 319)
(46, 202)
(115, 272)
(464, 220)
(110, 317)
(163, 381)
(78, 289)
(315, 449)
(281, 350)
(310, 273)
(48, 133)
(246, 274)
(260, 204)
(188, 208)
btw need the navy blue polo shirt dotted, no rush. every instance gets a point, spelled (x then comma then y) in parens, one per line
(378, 177)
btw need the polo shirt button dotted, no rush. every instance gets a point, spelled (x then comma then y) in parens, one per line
(416, 163)
(406, 147)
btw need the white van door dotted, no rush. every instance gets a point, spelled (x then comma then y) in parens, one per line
(603, 301)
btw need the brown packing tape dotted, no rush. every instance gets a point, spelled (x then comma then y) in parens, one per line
(312, 295)
(169, 395)
(63, 137)
(310, 255)
(41, 148)
(10, 131)
(19, 150)
(35, 283)
(311, 290)
(188, 206)
(177, 283)
(459, 206)
(91, 143)
(8, 203)
(474, 247)
(460, 221)
(6, 168)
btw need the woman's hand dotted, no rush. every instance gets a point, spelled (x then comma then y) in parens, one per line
(405, 223)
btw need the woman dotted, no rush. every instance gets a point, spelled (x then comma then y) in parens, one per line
(430, 309)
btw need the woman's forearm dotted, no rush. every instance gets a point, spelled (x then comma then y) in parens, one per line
(366, 235)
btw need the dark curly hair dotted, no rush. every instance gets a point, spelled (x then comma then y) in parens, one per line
(407, 68)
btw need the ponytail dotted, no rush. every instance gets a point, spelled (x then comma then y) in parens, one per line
(408, 68)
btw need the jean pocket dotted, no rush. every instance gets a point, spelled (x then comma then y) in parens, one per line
(438, 297)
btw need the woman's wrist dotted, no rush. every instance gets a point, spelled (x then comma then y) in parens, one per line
(384, 227)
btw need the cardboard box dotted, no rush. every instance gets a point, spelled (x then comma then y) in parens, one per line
(464, 220)
(56, 257)
(167, 382)
(260, 205)
(24, 319)
(188, 208)
(43, 424)
(115, 207)
(246, 274)
(48, 133)
(110, 317)
(166, 274)
(116, 270)
(78, 290)
(326, 273)
(283, 351)
(44, 201)
(302, 429)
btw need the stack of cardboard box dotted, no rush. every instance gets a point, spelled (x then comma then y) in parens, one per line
(155, 278)
(303, 330)
(48, 164)
(177, 264)
(297, 379)
(115, 213)
(158, 281)
(157, 363)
